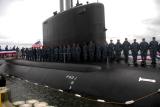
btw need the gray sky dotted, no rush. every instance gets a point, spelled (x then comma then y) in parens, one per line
(21, 20)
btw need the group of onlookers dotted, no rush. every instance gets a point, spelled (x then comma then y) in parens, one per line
(93, 52)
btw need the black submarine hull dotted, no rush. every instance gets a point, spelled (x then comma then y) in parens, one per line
(115, 84)
(79, 24)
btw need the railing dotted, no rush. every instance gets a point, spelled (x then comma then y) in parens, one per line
(8, 55)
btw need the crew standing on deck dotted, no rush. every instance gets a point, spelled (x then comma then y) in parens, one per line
(6, 48)
(69, 53)
(52, 54)
(56, 53)
(73, 52)
(135, 49)
(78, 53)
(60, 53)
(144, 49)
(111, 51)
(98, 52)
(91, 52)
(153, 47)
(23, 52)
(49, 54)
(91, 49)
(85, 52)
(126, 48)
(105, 52)
(118, 50)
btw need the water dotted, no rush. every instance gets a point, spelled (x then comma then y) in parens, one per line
(22, 90)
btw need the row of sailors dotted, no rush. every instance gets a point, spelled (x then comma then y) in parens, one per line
(14, 48)
(94, 52)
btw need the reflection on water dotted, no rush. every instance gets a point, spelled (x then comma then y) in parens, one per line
(23, 90)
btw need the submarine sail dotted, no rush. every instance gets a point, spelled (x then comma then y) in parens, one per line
(82, 23)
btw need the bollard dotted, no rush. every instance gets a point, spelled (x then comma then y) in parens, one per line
(4, 97)
(41, 104)
(26, 105)
(18, 103)
(32, 102)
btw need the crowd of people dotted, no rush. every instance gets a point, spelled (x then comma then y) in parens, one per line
(92, 52)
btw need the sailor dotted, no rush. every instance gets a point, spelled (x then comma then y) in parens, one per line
(105, 52)
(111, 51)
(32, 54)
(135, 49)
(159, 52)
(18, 53)
(98, 52)
(78, 53)
(41, 54)
(27, 53)
(73, 52)
(52, 54)
(91, 50)
(14, 48)
(85, 52)
(64, 53)
(6, 48)
(144, 49)
(87, 2)
(68, 53)
(56, 54)
(118, 50)
(60, 53)
(49, 54)
(45, 56)
(126, 48)
(17, 49)
(23, 53)
(153, 47)
(35, 54)
(38, 54)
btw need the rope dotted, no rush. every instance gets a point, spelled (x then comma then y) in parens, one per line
(105, 102)
(146, 96)
(111, 102)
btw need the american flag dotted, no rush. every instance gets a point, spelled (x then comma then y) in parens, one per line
(37, 45)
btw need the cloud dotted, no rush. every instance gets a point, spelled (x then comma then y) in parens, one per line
(4, 5)
(153, 24)
(3, 37)
(157, 2)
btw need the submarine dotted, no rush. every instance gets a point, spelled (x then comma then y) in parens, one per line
(115, 85)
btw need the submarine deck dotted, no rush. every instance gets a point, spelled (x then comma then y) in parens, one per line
(116, 83)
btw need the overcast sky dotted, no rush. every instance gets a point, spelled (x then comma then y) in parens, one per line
(21, 20)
